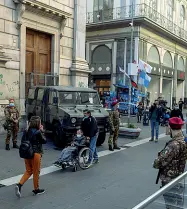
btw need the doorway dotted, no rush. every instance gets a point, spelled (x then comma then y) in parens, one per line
(38, 57)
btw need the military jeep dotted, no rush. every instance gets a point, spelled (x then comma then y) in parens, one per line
(61, 110)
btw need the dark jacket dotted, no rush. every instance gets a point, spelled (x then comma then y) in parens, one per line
(37, 138)
(176, 113)
(89, 126)
(158, 112)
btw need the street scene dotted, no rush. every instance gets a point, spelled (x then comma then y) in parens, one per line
(93, 104)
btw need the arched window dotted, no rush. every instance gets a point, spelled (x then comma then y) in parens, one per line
(182, 16)
(170, 7)
(153, 4)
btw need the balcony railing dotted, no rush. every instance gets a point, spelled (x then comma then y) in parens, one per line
(140, 11)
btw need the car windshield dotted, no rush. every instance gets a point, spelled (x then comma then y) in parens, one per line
(78, 98)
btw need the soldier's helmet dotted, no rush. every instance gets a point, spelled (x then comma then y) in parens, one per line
(176, 123)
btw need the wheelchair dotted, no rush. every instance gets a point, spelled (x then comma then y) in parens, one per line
(82, 158)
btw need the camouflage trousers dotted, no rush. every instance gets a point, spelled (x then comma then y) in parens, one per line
(12, 131)
(113, 136)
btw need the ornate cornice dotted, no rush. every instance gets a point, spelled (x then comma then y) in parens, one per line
(40, 8)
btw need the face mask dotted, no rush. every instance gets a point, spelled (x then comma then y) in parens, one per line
(11, 104)
(78, 135)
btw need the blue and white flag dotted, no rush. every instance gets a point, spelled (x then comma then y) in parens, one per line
(144, 79)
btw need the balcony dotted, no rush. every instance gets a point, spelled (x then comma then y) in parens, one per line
(141, 11)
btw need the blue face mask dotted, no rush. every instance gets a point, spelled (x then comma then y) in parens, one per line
(11, 105)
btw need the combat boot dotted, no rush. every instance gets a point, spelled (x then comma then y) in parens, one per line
(111, 148)
(7, 147)
(15, 146)
(116, 147)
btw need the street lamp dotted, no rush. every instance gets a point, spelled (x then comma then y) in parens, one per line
(131, 46)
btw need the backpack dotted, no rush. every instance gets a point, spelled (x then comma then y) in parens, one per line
(26, 149)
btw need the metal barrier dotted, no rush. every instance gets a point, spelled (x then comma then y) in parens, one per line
(156, 201)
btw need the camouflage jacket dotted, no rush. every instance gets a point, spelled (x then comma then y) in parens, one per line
(172, 159)
(114, 119)
(11, 114)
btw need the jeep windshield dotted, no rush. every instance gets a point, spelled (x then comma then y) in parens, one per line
(78, 98)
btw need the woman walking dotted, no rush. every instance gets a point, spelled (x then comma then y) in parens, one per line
(35, 135)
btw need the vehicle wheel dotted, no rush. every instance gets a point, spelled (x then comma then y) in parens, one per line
(85, 158)
(101, 138)
(58, 138)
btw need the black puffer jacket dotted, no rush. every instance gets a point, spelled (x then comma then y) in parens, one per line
(36, 138)
(89, 126)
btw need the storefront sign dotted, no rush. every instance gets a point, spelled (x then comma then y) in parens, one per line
(180, 75)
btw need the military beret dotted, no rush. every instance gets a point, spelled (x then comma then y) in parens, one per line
(114, 103)
(176, 123)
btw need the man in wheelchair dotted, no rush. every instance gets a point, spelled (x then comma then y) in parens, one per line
(68, 155)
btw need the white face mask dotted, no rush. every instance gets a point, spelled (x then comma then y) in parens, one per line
(78, 135)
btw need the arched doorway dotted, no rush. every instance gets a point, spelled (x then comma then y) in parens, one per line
(154, 87)
(101, 67)
(180, 80)
(167, 70)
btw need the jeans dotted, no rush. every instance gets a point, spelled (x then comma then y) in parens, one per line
(93, 147)
(154, 125)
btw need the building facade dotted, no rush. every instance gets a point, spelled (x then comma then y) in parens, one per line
(42, 42)
(159, 38)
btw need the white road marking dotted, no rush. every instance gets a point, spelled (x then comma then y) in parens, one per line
(14, 180)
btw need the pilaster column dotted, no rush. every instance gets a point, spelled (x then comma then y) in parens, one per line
(175, 79)
(161, 78)
(79, 69)
(185, 84)
(114, 63)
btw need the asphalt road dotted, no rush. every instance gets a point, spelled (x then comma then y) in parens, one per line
(120, 180)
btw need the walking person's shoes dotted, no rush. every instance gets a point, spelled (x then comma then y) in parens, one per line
(18, 190)
(15, 146)
(95, 161)
(156, 140)
(117, 148)
(38, 191)
(151, 140)
(7, 147)
(111, 148)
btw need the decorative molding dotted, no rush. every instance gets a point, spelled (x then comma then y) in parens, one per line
(63, 24)
(3, 58)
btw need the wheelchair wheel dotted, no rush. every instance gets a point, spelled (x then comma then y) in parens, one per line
(85, 158)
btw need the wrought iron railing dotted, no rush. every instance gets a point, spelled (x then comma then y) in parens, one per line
(140, 11)
(173, 195)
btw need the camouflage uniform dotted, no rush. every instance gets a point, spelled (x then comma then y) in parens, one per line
(12, 127)
(114, 127)
(171, 162)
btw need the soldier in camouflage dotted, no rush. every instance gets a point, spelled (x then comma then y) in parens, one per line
(171, 163)
(12, 124)
(114, 121)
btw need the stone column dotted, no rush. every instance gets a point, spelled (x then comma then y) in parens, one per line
(185, 85)
(113, 74)
(161, 78)
(79, 68)
(175, 79)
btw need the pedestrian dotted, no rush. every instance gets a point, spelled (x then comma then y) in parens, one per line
(36, 137)
(140, 112)
(181, 103)
(114, 122)
(176, 112)
(155, 115)
(171, 163)
(12, 124)
(91, 132)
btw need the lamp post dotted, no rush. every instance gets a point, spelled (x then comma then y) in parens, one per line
(131, 46)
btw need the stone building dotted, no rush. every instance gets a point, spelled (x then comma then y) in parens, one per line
(159, 38)
(42, 42)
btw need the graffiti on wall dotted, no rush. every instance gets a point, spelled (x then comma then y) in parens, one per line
(9, 87)
(82, 85)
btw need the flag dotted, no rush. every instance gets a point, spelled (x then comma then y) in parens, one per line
(134, 84)
(144, 66)
(123, 71)
(144, 79)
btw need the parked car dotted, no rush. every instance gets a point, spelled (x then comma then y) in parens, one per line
(61, 110)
